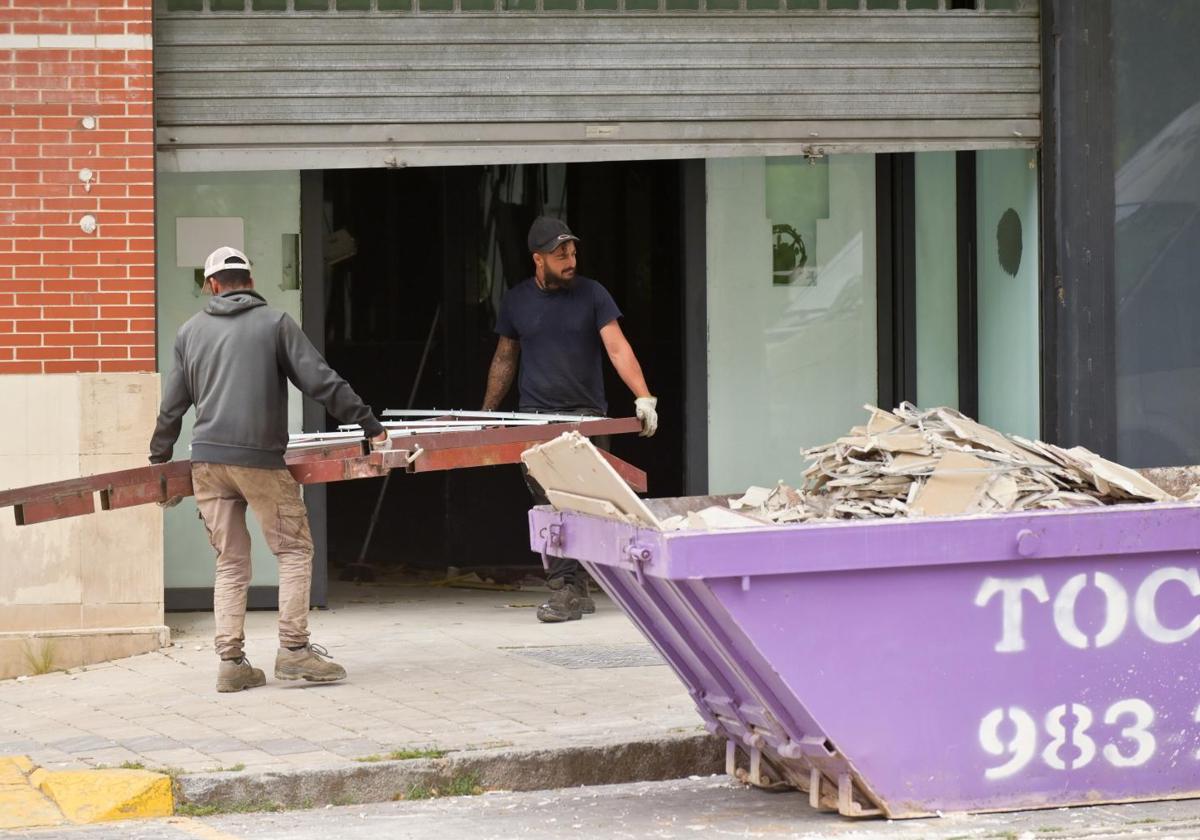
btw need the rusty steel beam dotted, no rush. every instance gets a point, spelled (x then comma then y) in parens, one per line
(92, 483)
(464, 457)
(130, 495)
(78, 503)
(338, 469)
(634, 477)
(340, 461)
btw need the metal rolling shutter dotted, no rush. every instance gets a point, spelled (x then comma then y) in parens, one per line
(331, 89)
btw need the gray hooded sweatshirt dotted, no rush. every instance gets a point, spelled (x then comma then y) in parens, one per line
(233, 361)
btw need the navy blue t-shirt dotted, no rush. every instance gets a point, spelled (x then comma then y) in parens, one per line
(561, 350)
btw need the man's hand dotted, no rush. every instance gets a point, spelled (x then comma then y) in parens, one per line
(646, 408)
(381, 441)
(170, 503)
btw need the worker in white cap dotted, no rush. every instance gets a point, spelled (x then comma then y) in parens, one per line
(232, 361)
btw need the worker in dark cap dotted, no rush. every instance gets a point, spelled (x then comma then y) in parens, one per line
(554, 327)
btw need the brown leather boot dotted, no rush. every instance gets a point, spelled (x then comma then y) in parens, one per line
(310, 663)
(238, 674)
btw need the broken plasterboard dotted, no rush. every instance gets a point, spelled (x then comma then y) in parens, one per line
(575, 476)
(956, 486)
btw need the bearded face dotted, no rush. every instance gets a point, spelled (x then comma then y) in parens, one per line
(558, 267)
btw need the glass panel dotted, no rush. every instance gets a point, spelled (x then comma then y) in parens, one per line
(833, 5)
(478, 5)
(520, 5)
(922, 5)
(937, 280)
(791, 303)
(723, 5)
(559, 5)
(1157, 231)
(762, 5)
(353, 5)
(641, 5)
(600, 5)
(184, 5)
(311, 5)
(803, 4)
(434, 5)
(883, 4)
(683, 5)
(270, 5)
(227, 5)
(1007, 245)
(395, 5)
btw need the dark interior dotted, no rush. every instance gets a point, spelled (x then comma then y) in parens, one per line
(417, 283)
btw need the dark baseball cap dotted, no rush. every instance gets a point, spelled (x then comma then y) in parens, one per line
(546, 234)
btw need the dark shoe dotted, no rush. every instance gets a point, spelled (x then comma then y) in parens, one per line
(237, 674)
(562, 605)
(310, 663)
(586, 605)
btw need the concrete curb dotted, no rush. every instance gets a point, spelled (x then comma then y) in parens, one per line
(515, 770)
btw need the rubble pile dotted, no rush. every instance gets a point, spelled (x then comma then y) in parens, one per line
(929, 463)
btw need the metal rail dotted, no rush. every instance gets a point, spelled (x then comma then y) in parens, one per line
(336, 458)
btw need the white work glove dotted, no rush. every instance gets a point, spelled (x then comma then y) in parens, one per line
(381, 443)
(645, 407)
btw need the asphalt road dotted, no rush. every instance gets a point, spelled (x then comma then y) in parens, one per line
(693, 808)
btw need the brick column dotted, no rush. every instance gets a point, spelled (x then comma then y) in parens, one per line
(76, 186)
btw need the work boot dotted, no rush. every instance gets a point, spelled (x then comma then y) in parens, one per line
(586, 605)
(310, 662)
(564, 603)
(237, 674)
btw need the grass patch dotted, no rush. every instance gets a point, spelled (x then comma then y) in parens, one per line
(233, 768)
(402, 755)
(132, 765)
(187, 809)
(465, 785)
(40, 656)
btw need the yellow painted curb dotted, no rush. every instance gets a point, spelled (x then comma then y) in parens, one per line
(14, 769)
(88, 796)
(21, 806)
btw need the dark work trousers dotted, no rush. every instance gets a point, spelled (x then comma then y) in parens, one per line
(561, 568)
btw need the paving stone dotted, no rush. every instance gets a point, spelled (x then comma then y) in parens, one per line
(286, 746)
(426, 669)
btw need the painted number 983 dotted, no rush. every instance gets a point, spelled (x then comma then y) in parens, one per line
(1013, 732)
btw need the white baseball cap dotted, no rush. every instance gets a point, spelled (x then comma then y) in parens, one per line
(223, 258)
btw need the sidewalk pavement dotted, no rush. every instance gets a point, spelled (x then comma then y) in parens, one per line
(429, 667)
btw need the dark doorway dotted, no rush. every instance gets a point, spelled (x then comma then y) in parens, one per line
(417, 260)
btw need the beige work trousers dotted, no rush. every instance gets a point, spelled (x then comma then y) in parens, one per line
(222, 493)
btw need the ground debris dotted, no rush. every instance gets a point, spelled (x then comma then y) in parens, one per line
(912, 462)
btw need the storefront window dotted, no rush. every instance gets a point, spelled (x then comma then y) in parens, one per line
(1006, 219)
(791, 310)
(1157, 232)
(937, 279)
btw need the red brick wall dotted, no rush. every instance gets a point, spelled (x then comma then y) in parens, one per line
(72, 301)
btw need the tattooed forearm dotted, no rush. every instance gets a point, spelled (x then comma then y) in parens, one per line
(502, 372)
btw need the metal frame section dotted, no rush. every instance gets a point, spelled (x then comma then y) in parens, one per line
(413, 417)
(1078, 240)
(312, 298)
(968, 283)
(314, 462)
(694, 259)
(606, 7)
(381, 88)
(896, 278)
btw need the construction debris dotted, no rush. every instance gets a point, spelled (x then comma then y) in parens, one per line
(931, 463)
